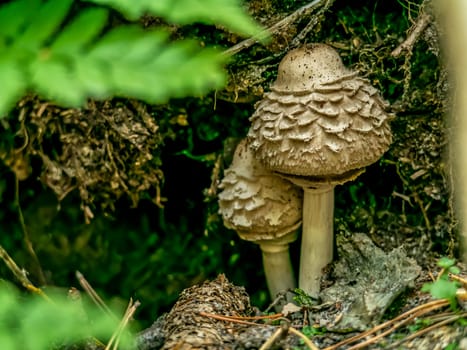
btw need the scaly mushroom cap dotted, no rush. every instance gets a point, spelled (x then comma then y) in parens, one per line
(258, 205)
(303, 69)
(320, 122)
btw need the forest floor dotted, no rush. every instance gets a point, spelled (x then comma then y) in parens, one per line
(218, 315)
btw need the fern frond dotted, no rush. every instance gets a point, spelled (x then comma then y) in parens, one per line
(43, 24)
(81, 31)
(69, 63)
(11, 22)
(13, 84)
(228, 13)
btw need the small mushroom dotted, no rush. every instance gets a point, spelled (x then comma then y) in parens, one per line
(265, 209)
(320, 126)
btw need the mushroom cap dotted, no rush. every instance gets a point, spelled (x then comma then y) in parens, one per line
(307, 66)
(319, 130)
(257, 204)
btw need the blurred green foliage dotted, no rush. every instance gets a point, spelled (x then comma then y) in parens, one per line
(444, 287)
(33, 323)
(224, 12)
(68, 56)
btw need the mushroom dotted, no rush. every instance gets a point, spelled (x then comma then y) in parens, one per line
(265, 209)
(319, 126)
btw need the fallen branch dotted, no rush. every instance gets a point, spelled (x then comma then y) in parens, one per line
(21, 274)
(301, 12)
(414, 33)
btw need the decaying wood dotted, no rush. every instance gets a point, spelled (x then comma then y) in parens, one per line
(187, 329)
(213, 315)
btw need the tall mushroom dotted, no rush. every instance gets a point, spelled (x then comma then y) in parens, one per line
(319, 126)
(265, 209)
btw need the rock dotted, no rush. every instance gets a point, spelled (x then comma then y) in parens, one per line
(367, 280)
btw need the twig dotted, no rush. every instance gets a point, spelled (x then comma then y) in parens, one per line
(279, 298)
(311, 24)
(302, 11)
(393, 323)
(114, 164)
(414, 195)
(116, 336)
(392, 328)
(263, 317)
(426, 330)
(305, 339)
(93, 295)
(461, 294)
(233, 319)
(463, 281)
(21, 274)
(285, 329)
(414, 33)
(27, 239)
(276, 335)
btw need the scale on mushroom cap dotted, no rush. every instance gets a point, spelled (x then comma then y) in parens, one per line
(320, 126)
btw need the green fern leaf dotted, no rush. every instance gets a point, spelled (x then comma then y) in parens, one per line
(198, 66)
(128, 62)
(94, 77)
(146, 46)
(128, 41)
(182, 69)
(11, 22)
(44, 23)
(53, 79)
(13, 85)
(135, 81)
(71, 63)
(226, 12)
(173, 55)
(178, 70)
(84, 28)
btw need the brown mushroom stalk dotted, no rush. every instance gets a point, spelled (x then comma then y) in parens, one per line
(265, 209)
(320, 126)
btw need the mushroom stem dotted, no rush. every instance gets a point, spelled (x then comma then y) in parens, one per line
(317, 237)
(278, 268)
